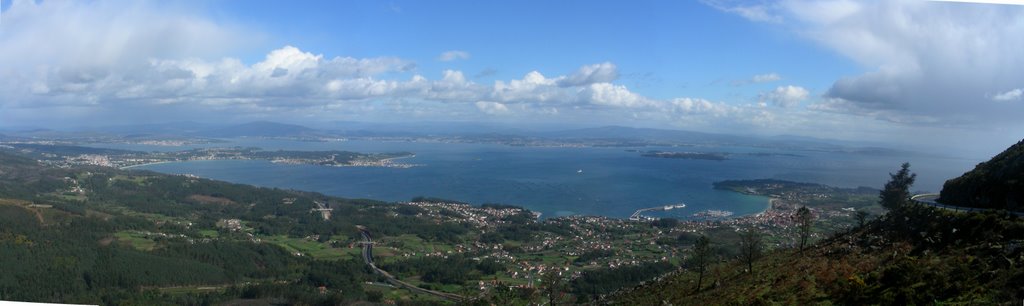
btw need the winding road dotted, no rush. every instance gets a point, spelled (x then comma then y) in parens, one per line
(368, 258)
(930, 200)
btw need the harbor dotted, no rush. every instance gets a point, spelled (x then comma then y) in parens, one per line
(636, 216)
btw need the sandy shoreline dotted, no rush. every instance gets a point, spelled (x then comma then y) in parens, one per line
(771, 204)
(399, 157)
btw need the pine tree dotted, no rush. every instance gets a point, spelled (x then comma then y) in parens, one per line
(554, 287)
(701, 257)
(862, 217)
(804, 220)
(751, 246)
(896, 193)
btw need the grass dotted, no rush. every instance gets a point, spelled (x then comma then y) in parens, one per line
(69, 196)
(507, 279)
(310, 248)
(138, 180)
(156, 218)
(413, 243)
(388, 248)
(14, 202)
(135, 240)
(209, 233)
(395, 294)
(190, 289)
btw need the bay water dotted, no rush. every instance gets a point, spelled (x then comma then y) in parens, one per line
(561, 181)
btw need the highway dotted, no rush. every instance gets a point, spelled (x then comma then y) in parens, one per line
(368, 258)
(929, 199)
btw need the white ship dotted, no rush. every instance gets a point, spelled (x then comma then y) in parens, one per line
(670, 207)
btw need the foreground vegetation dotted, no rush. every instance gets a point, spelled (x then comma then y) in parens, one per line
(913, 255)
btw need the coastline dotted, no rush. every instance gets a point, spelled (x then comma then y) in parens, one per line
(771, 205)
(398, 157)
(384, 162)
(147, 164)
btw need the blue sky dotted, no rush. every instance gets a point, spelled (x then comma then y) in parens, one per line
(906, 72)
(664, 47)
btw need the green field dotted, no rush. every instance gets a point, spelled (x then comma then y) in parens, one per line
(190, 289)
(310, 248)
(413, 243)
(135, 240)
(138, 180)
(156, 218)
(209, 233)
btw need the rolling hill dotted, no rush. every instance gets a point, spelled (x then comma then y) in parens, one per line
(997, 183)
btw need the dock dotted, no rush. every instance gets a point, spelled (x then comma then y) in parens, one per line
(636, 216)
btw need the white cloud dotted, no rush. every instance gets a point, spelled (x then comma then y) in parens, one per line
(822, 12)
(840, 106)
(785, 96)
(613, 95)
(759, 11)
(698, 106)
(491, 108)
(533, 88)
(91, 34)
(1011, 95)
(926, 61)
(289, 77)
(453, 87)
(759, 78)
(590, 74)
(764, 78)
(930, 61)
(448, 56)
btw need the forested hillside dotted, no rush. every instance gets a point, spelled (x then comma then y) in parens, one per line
(105, 236)
(997, 183)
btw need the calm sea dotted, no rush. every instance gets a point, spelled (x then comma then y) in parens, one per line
(613, 181)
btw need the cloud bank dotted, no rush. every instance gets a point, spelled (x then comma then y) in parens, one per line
(785, 96)
(928, 62)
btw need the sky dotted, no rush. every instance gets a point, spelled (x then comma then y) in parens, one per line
(936, 75)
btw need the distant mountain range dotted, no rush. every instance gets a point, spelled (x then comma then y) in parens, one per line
(621, 132)
(466, 130)
(259, 129)
(178, 128)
